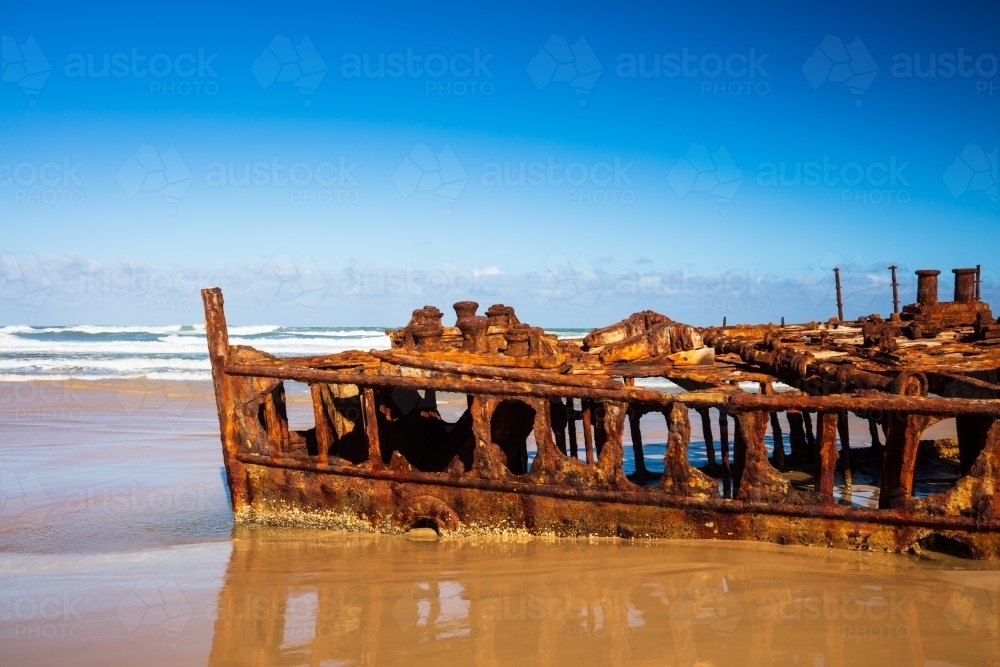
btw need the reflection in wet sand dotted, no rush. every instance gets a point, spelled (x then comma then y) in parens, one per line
(301, 597)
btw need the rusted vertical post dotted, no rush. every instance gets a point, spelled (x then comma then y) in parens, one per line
(680, 478)
(600, 428)
(800, 452)
(640, 461)
(979, 279)
(895, 290)
(778, 449)
(610, 425)
(756, 478)
(727, 478)
(845, 449)
(826, 460)
(547, 450)
(557, 417)
(706, 430)
(739, 455)
(324, 428)
(488, 460)
(876, 443)
(810, 438)
(779, 443)
(217, 336)
(276, 418)
(971, 431)
(571, 426)
(371, 427)
(900, 459)
(586, 416)
(840, 301)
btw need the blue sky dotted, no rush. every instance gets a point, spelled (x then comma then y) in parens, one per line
(701, 160)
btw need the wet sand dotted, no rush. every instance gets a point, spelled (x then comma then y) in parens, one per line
(117, 548)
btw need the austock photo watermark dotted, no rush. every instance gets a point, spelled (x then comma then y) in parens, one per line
(24, 282)
(583, 182)
(24, 65)
(871, 614)
(599, 182)
(48, 182)
(201, 505)
(731, 292)
(284, 62)
(303, 615)
(148, 170)
(426, 170)
(435, 284)
(459, 74)
(327, 182)
(737, 74)
(324, 182)
(453, 74)
(979, 69)
(594, 617)
(714, 173)
(184, 74)
(159, 290)
(875, 182)
(283, 279)
(50, 615)
(559, 62)
(41, 402)
(23, 498)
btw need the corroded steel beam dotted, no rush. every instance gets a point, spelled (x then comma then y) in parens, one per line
(642, 496)
(733, 401)
(496, 372)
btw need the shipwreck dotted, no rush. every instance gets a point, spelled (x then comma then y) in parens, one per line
(380, 456)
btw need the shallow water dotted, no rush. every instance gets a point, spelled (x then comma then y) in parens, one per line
(117, 548)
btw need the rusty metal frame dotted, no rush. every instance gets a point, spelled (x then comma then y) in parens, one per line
(882, 370)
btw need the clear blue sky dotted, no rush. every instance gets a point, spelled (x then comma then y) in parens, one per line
(577, 161)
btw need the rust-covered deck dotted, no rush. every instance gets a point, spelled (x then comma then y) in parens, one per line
(382, 458)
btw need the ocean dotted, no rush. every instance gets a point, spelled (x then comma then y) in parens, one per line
(176, 353)
(169, 353)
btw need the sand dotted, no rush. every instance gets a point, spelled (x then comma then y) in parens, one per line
(117, 548)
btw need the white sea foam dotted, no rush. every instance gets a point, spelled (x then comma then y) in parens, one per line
(248, 330)
(171, 352)
(96, 329)
(125, 364)
(660, 384)
(16, 329)
(61, 377)
(314, 345)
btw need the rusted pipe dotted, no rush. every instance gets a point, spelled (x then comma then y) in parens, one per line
(498, 372)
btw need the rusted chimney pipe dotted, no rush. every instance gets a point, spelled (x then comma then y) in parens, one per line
(965, 285)
(465, 309)
(927, 292)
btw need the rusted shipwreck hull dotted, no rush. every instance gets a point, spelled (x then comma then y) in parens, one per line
(381, 458)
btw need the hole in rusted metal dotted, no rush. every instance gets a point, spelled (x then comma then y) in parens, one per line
(937, 466)
(425, 524)
(410, 422)
(510, 428)
(943, 544)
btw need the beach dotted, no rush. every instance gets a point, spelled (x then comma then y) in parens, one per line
(117, 547)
